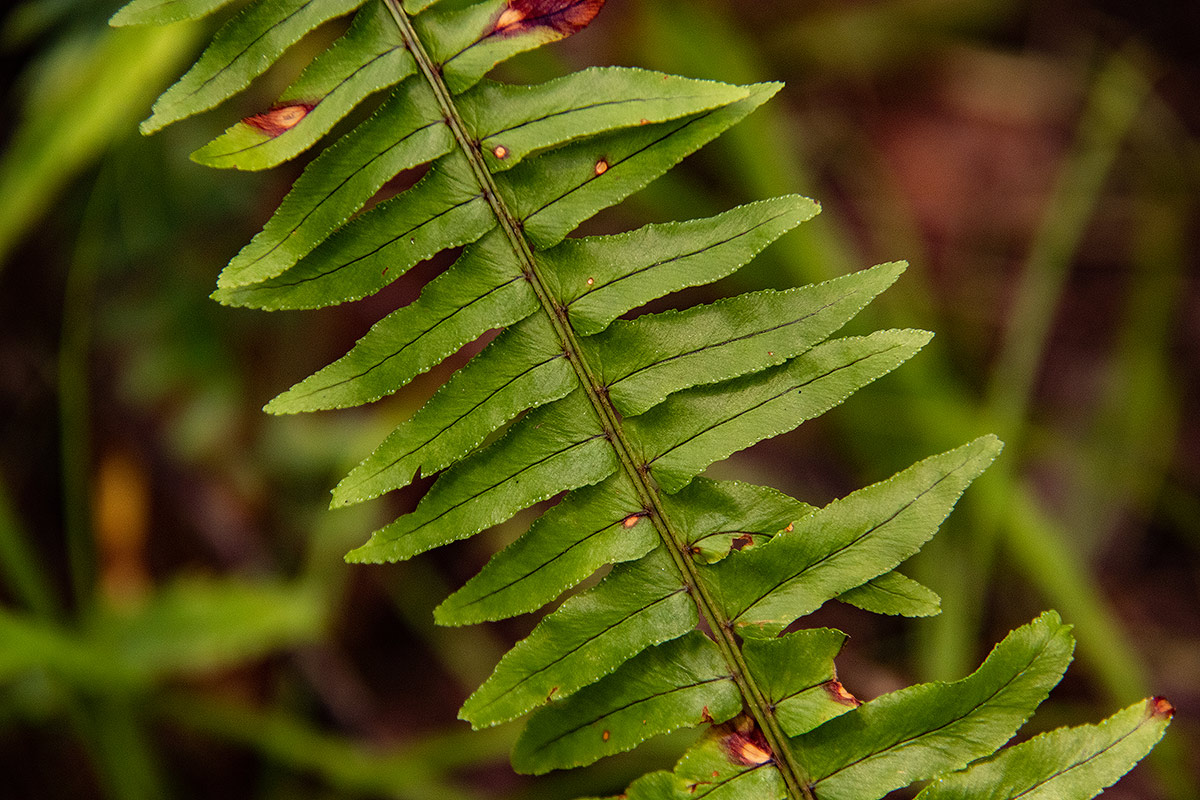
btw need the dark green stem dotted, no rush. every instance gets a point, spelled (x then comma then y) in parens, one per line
(648, 493)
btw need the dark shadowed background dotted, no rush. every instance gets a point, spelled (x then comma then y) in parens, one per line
(175, 617)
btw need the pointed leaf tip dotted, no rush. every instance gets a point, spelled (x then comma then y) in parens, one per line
(564, 17)
(1159, 707)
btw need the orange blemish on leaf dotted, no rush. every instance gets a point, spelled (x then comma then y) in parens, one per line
(644, 121)
(631, 520)
(705, 716)
(601, 167)
(840, 695)
(791, 527)
(604, 736)
(279, 119)
(1159, 707)
(500, 152)
(746, 746)
(591, 281)
(509, 17)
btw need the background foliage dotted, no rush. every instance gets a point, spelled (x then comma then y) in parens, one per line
(177, 621)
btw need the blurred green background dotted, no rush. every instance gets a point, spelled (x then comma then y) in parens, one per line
(175, 617)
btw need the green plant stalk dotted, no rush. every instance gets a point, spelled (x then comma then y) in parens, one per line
(1118, 92)
(794, 778)
(74, 399)
(22, 572)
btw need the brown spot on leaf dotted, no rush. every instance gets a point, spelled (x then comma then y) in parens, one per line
(746, 746)
(742, 541)
(552, 692)
(1159, 707)
(604, 736)
(631, 520)
(500, 152)
(840, 695)
(591, 281)
(705, 716)
(791, 527)
(280, 118)
(601, 167)
(644, 121)
(564, 17)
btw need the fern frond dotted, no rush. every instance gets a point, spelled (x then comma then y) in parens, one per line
(621, 415)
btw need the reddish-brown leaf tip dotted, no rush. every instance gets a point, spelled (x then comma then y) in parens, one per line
(1159, 707)
(564, 17)
(280, 118)
(840, 695)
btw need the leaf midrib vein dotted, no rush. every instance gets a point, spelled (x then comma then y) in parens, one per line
(794, 778)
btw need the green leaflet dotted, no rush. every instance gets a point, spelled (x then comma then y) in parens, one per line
(644, 360)
(1070, 762)
(682, 683)
(924, 730)
(558, 447)
(511, 122)
(893, 593)
(478, 293)
(164, 12)
(595, 526)
(552, 194)
(718, 516)
(445, 209)
(600, 278)
(846, 543)
(694, 428)
(369, 58)
(241, 51)
(521, 368)
(797, 675)
(338, 182)
(636, 606)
